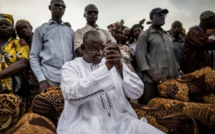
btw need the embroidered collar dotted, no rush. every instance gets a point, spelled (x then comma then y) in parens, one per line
(92, 66)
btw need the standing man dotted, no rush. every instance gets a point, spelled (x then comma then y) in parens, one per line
(155, 55)
(178, 38)
(96, 90)
(91, 14)
(51, 47)
(198, 48)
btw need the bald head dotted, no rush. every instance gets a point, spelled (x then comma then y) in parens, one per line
(92, 33)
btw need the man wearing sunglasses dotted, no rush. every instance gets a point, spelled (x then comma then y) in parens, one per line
(52, 46)
(155, 55)
(91, 15)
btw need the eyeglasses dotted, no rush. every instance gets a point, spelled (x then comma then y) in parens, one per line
(59, 5)
(91, 12)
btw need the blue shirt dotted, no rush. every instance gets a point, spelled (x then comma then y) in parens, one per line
(52, 46)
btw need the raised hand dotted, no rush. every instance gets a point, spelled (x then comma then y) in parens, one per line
(113, 57)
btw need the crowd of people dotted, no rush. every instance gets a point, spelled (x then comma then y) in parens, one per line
(99, 71)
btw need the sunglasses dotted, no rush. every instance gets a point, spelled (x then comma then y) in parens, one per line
(92, 12)
(160, 14)
(59, 5)
(6, 23)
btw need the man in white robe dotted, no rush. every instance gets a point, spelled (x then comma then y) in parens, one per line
(95, 91)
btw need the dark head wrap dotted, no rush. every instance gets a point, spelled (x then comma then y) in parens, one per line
(23, 21)
(140, 25)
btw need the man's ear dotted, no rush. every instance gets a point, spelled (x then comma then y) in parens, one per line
(84, 15)
(82, 46)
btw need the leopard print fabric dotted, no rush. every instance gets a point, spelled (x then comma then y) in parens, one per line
(49, 104)
(174, 89)
(9, 112)
(169, 121)
(204, 113)
(210, 99)
(32, 80)
(32, 123)
(190, 87)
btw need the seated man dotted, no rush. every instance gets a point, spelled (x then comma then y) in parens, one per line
(95, 92)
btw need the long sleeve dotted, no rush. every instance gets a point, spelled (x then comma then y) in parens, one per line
(132, 85)
(141, 52)
(36, 48)
(199, 40)
(77, 89)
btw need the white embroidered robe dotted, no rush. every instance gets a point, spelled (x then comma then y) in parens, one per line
(96, 103)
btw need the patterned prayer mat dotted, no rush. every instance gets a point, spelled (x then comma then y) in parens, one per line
(32, 123)
(204, 113)
(168, 121)
(198, 86)
(9, 112)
